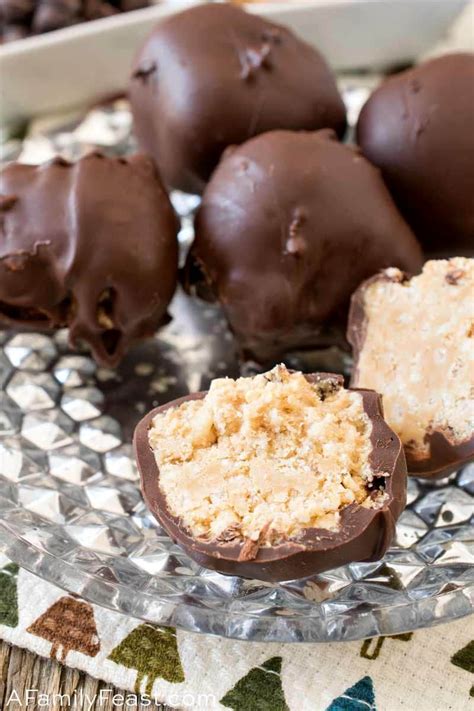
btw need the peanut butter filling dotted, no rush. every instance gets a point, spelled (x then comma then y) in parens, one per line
(418, 351)
(264, 457)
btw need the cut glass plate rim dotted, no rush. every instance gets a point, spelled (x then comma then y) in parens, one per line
(242, 625)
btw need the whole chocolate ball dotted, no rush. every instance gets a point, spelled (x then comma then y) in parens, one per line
(290, 224)
(213, 76)
(90, 245)
(418, 129)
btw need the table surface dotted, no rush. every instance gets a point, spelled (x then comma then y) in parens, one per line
(21, 670)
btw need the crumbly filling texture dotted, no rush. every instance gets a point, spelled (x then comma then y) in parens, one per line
(419, 351)
(263, 458)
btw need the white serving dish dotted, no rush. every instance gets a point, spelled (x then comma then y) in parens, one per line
(85, 63)
(366, 34)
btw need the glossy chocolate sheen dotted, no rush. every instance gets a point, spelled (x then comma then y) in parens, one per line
(445, 456)
(214, 76)
(290, 224)
(364, 533)
(90, 245)
(418, 129)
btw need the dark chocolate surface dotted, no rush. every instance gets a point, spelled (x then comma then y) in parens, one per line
(364, 534)
(90, 245)
(21, 18)
(214, 76)
(418, 129)
(16, 11)
(290, 224)
(446, 456)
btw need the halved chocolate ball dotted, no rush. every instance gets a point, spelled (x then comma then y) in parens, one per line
(413, 343)
(274, 477)
(417, 127)
(90, 245)
(214, 76)
(290, 224)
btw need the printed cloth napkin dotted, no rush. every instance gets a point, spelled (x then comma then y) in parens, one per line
(429, 670)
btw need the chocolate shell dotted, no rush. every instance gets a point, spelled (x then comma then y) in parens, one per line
(214, 76)
(417, 127)
(90, 245)
(53, 15)
(21, 18)
(13, 12)
(445, 456)
(290, 224)
(364, 533)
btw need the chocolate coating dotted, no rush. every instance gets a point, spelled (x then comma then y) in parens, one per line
(21, 18)
(418, 129)
(11, 33)
(289, 226)
(129, 5)
(96, 9)
(90, 245)
(51, 15)
(214, 76)
(364, 533)
(445, 456)
(16, 11)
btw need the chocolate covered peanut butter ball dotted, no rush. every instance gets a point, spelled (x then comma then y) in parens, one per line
(413, 343)
(418, 129)
(290, 224)
(213, 76)
(90, 245)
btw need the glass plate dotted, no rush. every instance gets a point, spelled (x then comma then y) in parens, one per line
(70, 504)
(71, 509)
